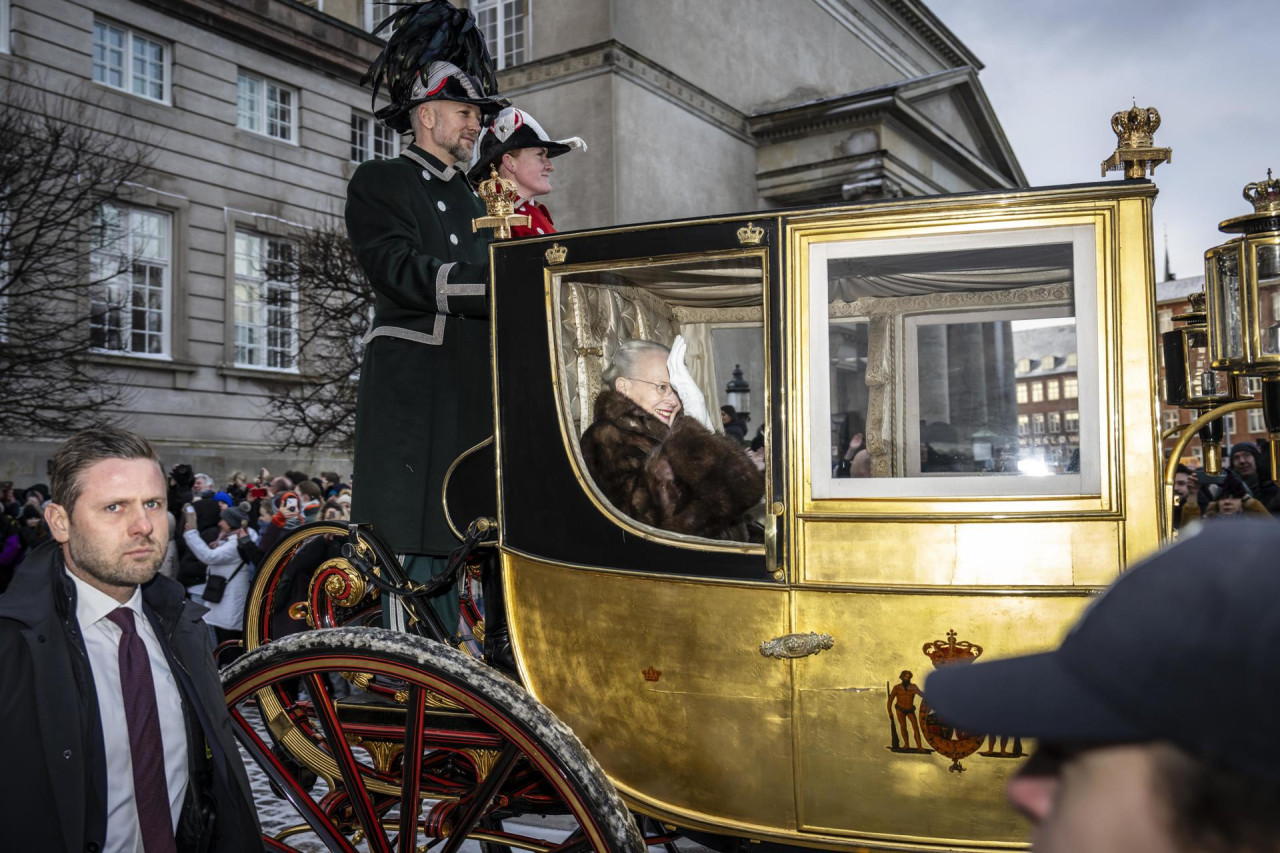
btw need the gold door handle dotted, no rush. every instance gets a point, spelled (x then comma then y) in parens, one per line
(796, 645)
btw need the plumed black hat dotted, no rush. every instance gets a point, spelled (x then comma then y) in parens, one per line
(510, 130)
(435, 53)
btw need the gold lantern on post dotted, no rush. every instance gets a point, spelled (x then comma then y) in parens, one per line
(1242, 282)
(1191, 382)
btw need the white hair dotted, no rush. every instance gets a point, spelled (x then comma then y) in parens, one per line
(626, 357)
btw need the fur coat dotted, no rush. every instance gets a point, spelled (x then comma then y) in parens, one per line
(681, 478)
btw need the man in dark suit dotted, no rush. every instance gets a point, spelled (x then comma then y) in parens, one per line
(425, 393)
(118, 735)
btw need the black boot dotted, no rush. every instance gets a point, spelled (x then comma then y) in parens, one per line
(497, 637)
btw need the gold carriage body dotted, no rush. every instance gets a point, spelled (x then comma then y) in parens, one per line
(649, 644)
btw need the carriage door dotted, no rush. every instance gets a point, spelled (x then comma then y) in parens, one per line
(646, 642)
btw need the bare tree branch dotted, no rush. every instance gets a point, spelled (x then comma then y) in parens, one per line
(58, 167)
(335, 303)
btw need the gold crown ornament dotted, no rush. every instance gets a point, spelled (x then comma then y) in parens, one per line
(1136, 154)
(556, 254)
(750, 235)
(1264, 195)
(500, 197)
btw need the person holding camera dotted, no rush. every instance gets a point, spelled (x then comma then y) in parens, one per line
(229, 574)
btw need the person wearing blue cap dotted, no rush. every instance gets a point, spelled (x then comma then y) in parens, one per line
(1152, 716)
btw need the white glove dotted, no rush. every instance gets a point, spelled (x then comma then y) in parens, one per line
(691, 399)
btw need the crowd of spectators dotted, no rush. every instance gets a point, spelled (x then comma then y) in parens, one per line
(221, 531)
(1243, 489)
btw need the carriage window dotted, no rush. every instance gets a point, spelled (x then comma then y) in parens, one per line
(716, 305)
(943, 359)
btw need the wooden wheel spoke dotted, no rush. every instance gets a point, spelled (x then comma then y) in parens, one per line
(352, 778)
(481, 799)
(320, 823)
(415, 706)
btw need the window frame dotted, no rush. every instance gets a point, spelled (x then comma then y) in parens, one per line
(1037, 392)
(128, 69)
(372, 127)
(1071, 387)
(1083, 238)
(166, 286)
(5, 26)
(370, 20)
(1052, 390)
(263, 115)
(497, 49)
(252, 229)
(1257, 422)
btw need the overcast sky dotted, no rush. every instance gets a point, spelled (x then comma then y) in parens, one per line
(1056, 71)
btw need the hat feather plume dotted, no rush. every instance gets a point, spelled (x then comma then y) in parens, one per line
(423, 33)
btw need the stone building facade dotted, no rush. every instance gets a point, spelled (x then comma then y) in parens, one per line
(690, 107)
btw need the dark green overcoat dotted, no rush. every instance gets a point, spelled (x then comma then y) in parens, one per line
(425, 392)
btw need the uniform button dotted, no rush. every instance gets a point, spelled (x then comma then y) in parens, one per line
(92, 847)
(426, 176)
(453, 238)
(66, 753)
(440, 205)
(540, 231)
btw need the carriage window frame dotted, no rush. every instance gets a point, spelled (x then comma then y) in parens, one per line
(1088, 482)
(556, 279)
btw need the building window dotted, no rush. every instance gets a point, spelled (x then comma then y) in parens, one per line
(1037, 392)
(266, 303)
(125, 60)
(1022, 392)
(1024, 424)
(266, 107)
(376, 12)
(1070, 388)
(1164, 321)
(1257, 422)
(1037, 424)
(1229, 424)
(1171, 418)
(372, 140)
(129, 298)
(505, 24)
(4, 26)
(1051, 389)
(1055, 422)
(1253, 385)
(1024, 365)
(1072, 422)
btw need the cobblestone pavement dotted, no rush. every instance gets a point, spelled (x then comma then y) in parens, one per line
(276, 814)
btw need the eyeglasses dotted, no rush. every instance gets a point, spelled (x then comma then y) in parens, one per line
(663, 388)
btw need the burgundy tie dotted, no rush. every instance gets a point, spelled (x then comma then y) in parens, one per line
(150, 788)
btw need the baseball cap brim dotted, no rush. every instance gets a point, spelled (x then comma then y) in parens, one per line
(1031, 696)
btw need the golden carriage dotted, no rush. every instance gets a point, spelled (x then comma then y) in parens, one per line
(763, 694)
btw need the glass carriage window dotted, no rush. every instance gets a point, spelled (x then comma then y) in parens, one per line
(716, 304)
(129, 295)
(949, 355)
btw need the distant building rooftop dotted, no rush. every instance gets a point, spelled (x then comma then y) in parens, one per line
(1178, 289)
(1055, 342)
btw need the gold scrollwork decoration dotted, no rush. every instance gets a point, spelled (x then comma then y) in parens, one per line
(796, 645)
(383, 752)
(483, 759)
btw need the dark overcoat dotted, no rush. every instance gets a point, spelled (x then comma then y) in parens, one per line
(682, 478)
(425, 393)
(53, 791)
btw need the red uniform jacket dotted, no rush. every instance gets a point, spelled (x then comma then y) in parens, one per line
(539, 220)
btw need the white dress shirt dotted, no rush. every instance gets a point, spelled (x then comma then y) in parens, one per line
(102, 641)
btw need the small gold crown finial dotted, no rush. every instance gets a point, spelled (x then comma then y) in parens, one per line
(556, 254)
(500, 197)
(750, 235)
(652, 674)
(1264, 195)
(1136, 153)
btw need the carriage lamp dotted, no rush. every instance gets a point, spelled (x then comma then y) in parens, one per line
(1242, 282)
(1190, 380)
(739, 393)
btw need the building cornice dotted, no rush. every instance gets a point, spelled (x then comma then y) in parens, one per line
(283, 28)
(613, 57)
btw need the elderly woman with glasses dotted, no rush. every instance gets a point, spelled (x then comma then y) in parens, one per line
(652, 451)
